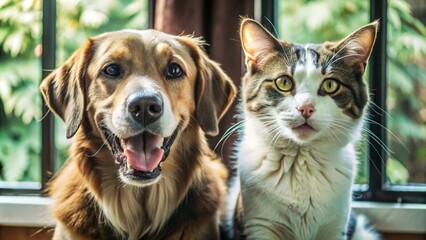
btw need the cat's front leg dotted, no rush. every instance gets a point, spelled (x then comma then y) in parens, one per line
(261, 228)
(335, 235)
(332, 230)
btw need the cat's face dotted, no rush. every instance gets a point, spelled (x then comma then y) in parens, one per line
(305, 92)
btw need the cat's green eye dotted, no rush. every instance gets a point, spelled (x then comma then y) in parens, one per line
(330, 86)
(284, 83)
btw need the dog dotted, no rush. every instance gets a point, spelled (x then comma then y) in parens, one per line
(138, 105)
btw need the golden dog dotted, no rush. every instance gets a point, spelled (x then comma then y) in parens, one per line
(138, 105)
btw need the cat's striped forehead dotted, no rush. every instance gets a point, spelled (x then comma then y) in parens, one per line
(310, 56)
(307, 54)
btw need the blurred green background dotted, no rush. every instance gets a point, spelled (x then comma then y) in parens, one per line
(299, 21)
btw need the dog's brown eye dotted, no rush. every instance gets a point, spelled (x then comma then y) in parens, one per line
(112, 70)
(174, 71)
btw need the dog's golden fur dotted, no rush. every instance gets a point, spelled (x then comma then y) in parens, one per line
(92, 199)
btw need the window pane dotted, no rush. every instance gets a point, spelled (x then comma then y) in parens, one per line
(20, 101)
(406, 100)
(79, 20)
(304, 21)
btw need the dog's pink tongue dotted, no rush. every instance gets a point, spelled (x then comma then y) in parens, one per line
(144, 151)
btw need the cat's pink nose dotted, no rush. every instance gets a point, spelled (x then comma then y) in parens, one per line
(306, 110)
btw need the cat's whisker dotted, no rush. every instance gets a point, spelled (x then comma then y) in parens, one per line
(381, 159)
(268, 127)
(346, 56)
(371, 121)
(283, 53)
(285, 56)
(367, 140)
(388, 151)
(331, 136)
(277, 136)
(266, 119)
(329, 62)
(234, 128)
(363, 138)
(364, 149)
(373, 108)
(338, 128)
(272, 131)
(265, 116)
(231, 130)
(376, 139)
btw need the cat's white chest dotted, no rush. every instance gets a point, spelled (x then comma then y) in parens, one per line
(302, 189)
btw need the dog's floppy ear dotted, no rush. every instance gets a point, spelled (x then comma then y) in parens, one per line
(63, 89)
(214, 91)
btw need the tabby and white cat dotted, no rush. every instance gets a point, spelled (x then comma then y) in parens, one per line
(302, 110)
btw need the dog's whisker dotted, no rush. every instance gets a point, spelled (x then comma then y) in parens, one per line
(44, 116)
(100, 148)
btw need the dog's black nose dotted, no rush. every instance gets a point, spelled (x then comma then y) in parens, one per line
(145, 107)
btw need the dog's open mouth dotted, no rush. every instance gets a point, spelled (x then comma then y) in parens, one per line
(140, 156)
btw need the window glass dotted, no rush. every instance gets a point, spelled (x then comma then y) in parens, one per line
(406, 100)
(20, 101)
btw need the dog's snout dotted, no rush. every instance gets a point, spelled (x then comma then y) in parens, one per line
(146, 107)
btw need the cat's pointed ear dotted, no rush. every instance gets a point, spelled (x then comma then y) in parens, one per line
(356, 48)
(256, 41)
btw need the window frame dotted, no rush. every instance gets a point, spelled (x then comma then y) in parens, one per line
(48, 60)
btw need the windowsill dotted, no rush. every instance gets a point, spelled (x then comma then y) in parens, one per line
(386, 217)
(25, 211)
(394, 217)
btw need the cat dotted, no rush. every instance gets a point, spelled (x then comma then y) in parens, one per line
(302, 111)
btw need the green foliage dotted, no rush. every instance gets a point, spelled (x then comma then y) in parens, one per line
(330, 20)
(20, 24)
(19, 131)
(396, 172)
(20, 100)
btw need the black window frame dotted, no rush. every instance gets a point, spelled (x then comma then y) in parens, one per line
(48, 61)
(378, 189)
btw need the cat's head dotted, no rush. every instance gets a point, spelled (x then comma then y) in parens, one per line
(306, 92)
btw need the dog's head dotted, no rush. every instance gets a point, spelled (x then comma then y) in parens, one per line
(138, 90)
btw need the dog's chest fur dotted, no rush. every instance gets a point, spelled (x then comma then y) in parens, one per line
(99, 208)
(298, 190)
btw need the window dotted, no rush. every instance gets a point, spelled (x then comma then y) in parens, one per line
(393, 153)
(32, 142)
(393, 162)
